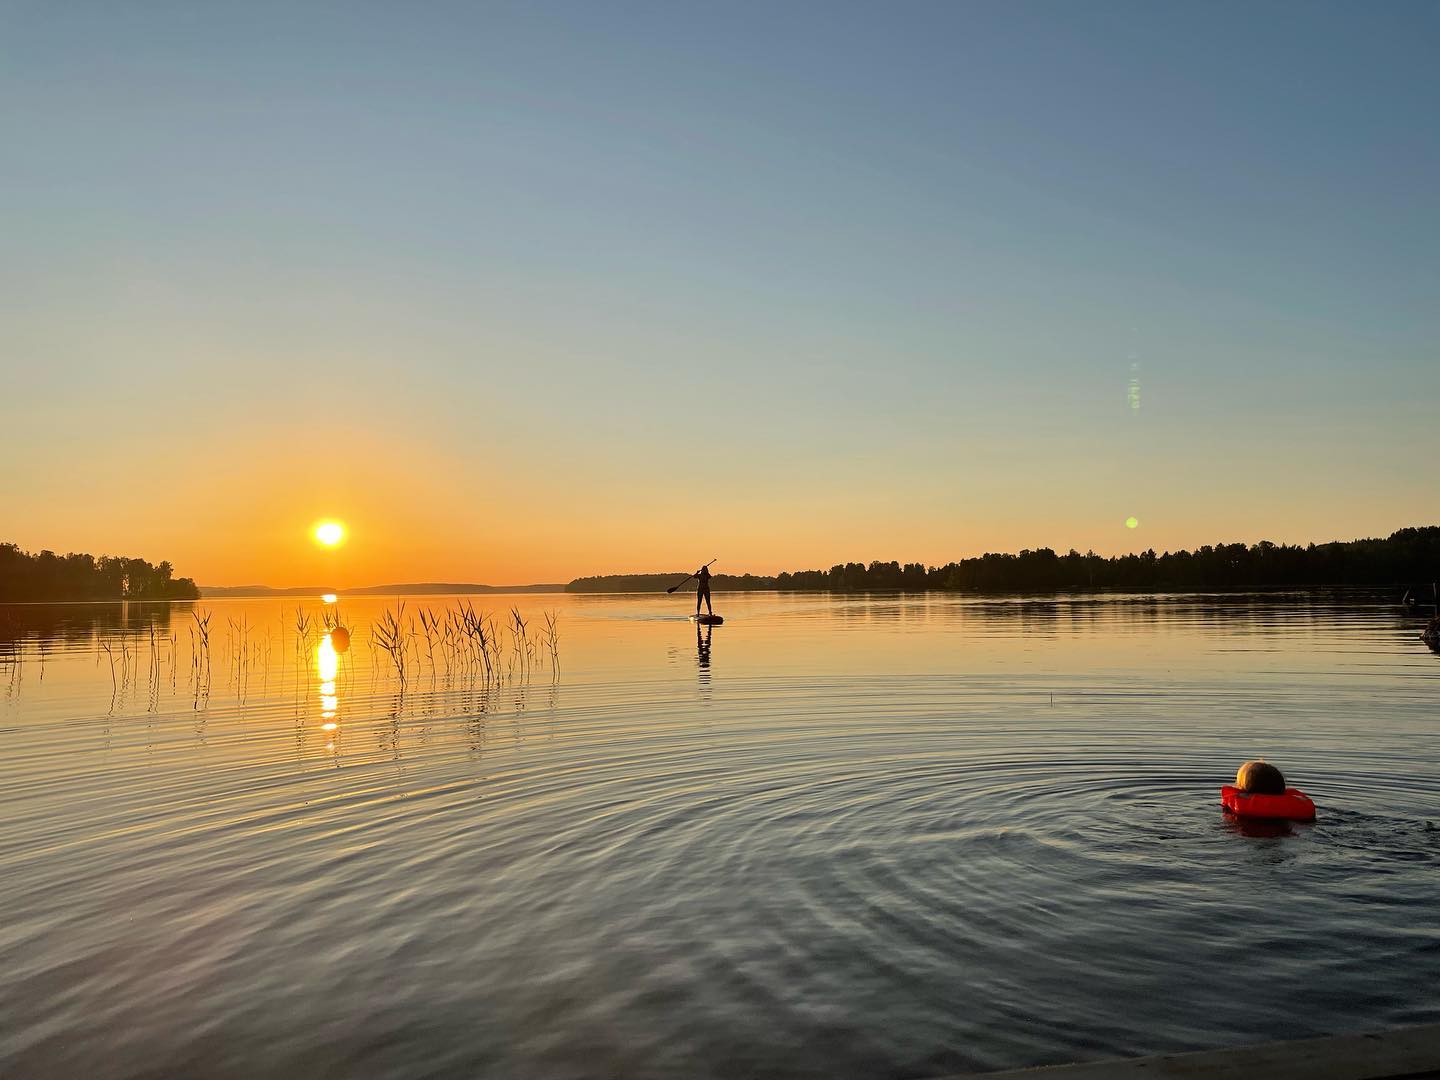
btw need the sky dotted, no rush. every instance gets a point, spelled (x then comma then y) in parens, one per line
(521, 292)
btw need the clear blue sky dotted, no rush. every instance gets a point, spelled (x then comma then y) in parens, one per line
(519, 276)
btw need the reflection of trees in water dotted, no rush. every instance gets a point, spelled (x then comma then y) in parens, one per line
(135, 641)
(80, 624)
(1081, 614)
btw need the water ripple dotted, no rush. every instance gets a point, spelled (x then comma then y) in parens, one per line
(911, 846)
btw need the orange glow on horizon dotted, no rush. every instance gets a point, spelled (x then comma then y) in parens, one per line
(433, 523)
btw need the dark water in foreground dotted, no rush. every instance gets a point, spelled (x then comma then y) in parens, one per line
(851, 837)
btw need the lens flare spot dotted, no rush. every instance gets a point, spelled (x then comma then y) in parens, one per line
(1132, 523)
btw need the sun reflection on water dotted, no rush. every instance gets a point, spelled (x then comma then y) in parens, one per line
(327, 666)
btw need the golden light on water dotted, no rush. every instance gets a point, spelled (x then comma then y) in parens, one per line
(327, 660)
(329, 534)
(327, 666)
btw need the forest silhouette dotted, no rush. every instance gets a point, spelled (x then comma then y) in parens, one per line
(1405, 557)
(50, 577)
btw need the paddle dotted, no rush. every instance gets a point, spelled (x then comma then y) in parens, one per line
(672, 588)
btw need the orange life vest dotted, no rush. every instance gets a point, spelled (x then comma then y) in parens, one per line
(1294, 805)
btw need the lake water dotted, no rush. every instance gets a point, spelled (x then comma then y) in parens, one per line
(838, 836)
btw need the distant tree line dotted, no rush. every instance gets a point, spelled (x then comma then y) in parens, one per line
(661, 582)
(1409, 556)
(47, 576)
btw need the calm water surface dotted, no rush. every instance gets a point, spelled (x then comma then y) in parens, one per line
(840, 837)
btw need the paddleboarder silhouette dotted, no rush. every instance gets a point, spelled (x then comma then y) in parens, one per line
(703, 577)
(703, 592)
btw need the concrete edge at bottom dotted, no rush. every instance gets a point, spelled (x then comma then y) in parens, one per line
(1409, 1053)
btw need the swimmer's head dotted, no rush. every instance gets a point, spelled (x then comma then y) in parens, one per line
(1260, 778)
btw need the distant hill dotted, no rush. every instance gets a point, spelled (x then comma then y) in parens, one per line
(425, 588)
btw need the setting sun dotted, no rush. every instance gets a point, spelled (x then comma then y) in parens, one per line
(329, 534)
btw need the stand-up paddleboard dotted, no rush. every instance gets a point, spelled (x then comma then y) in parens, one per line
(707, 620)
